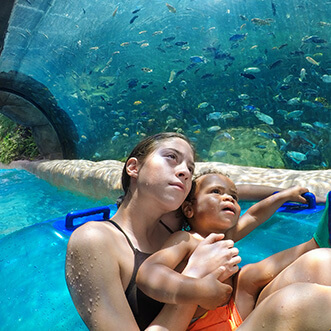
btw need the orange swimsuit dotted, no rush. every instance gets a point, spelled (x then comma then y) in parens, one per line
(225, 318)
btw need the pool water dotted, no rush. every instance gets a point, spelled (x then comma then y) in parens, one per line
(32, 280)
(26, 199)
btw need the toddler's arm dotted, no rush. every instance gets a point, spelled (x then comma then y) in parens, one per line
(157, 279)
(263, 210)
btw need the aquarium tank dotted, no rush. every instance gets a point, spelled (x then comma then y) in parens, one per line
(247, 81)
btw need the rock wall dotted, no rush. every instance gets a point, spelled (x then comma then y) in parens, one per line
(103, 179)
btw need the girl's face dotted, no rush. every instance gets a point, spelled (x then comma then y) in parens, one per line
(166, 174)
(215, 208)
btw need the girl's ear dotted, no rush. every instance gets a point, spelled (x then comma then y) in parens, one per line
(187, 209)
(132, 167)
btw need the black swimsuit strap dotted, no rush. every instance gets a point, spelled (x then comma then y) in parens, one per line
(127, 238)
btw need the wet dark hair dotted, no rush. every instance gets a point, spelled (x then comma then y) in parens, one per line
(145, 148)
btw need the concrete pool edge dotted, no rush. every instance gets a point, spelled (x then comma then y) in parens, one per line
(103, 179)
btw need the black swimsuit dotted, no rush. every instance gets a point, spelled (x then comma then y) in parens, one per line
(143, 307)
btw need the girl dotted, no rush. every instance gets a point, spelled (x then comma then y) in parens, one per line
(103, 257)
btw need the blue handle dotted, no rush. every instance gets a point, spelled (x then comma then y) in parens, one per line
(69, 223)
(311, 202)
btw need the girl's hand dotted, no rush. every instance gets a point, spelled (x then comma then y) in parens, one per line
(211, 254)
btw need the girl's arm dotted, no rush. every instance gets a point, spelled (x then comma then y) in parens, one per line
(93, 275)
(157, 278)
(263, 210)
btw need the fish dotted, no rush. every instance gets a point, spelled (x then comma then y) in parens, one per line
(137, 103)
(207, 76)
(143, 45)
(250, 107)
(203, 105)
(179, 72)
(243, 96)
(181, 43)
(282, 46)
(172, 76)
(268, 135)
(171, 8)
(218, 154)
(313, 39)
(273, 7)
(183, 94)
(297, 157)
(224, 135)
(302, 74)
(198, 59)
(238, 37)
(312, 61)
(275, 64)
(133, 19)
(288, 79)
(326, 78)
(138, 8)
(115, 11)
(214, 128)
(247, 75)
(164, 107)
(145, 69)
(167, 39)
(126, 43)
(294, 114)
(260, 21)
(132, 83)
(264, 118)
(214, 116)
(156, 33)
(252, 70)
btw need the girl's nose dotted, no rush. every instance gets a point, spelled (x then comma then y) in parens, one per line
(183, 171)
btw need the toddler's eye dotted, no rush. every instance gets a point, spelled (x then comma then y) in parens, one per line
(216, 191)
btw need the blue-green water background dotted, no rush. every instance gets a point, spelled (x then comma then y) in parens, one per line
(26, 200)
(108, 65)
(32, 281)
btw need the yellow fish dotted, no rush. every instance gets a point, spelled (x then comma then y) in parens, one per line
(137, 103)
(125, 44)
(171, 8)
(144, 31)
(144, 45)
(312, 61)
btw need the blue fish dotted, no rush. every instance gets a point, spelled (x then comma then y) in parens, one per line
(133, 19)
(246, 75)
(132, 83)
(238, 37)
(297, 157)
(197, 59)
(250, 107)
